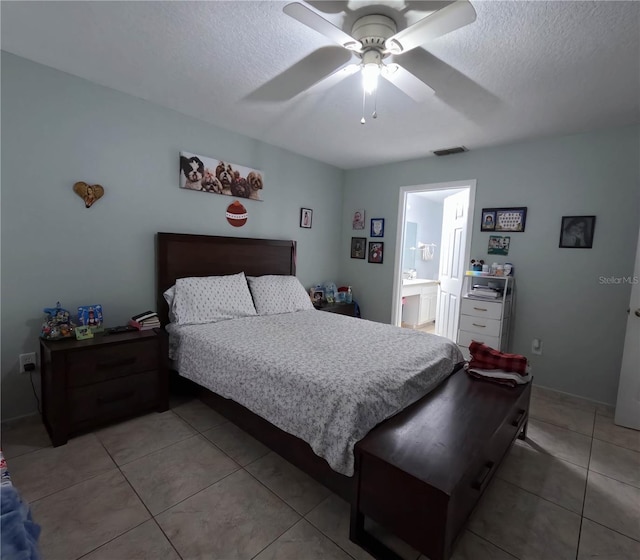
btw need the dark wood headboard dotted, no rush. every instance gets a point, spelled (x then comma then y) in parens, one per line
(180, 255)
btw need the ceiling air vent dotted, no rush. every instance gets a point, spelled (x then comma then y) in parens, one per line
(449, 151)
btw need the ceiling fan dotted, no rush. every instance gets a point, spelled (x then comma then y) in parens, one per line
(374, 38)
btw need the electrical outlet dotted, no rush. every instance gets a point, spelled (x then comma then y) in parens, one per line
(29, 358)
(536, 346)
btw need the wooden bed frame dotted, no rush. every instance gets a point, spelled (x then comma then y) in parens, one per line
(419, 473)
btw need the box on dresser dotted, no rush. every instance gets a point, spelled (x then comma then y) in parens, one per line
(89, 383)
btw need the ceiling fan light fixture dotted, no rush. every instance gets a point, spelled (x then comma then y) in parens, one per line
(370, 73)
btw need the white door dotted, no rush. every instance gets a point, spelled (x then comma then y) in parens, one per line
(452, 256)
(628, 403)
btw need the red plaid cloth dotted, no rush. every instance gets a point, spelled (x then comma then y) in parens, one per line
(485, 357)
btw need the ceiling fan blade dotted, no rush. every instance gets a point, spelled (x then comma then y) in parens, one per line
(447, 19)
(311, 70)
(318, 23)
(335, 78)
(407, 82)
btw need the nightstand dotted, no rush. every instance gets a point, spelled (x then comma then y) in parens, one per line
(340, 308)
(90, 383)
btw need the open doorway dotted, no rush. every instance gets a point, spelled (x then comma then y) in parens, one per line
(432, 251)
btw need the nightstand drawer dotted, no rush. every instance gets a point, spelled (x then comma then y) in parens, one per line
(114, 398)
(480, 325)
(465, 338)
(480, 308)
(100, 364)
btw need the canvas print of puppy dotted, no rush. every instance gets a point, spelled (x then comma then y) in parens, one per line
(224, 173)
(210, 182)
(255, 185)
(193, 171)
(240, 186)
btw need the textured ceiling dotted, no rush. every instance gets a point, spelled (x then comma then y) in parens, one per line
(521, 70)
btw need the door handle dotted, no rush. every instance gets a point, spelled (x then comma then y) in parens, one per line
(637, 312)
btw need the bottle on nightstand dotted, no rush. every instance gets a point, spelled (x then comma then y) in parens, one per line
(349, 295)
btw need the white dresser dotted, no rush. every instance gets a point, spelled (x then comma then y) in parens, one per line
(486, 320)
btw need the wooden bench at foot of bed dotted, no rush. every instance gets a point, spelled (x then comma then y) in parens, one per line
(421, 473)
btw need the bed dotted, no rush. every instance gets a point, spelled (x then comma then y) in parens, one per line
(418, 472)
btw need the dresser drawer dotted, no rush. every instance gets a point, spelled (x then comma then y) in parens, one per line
(465, 338)
(488, 459)
(480, 308)
(114, 398)
(480, 325)
(100, 364)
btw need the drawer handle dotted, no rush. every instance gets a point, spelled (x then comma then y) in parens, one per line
(480, 309)
(476, 325)
(114, 398)
(519, 418)
(483, 476)
(116, 363)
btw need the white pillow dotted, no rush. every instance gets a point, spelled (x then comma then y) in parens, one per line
(211, 299)
(278, 294)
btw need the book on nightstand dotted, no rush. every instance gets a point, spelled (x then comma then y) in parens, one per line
(145, 321)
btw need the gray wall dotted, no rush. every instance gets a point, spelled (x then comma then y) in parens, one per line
(58, 129)
(560, 298)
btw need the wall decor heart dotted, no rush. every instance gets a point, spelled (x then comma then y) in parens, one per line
(88, 193)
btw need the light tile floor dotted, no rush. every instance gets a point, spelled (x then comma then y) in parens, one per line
(188, 484)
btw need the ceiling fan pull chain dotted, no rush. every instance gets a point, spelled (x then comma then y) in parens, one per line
(364, 97)
(375, 104)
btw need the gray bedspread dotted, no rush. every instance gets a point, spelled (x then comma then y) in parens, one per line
(325, 378)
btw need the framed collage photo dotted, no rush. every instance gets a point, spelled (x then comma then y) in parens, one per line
(376, 252)
(504, 219)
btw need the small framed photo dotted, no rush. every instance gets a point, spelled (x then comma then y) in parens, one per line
(318, 296)
(306, 215)
(83, 332)
(90, 316)
(358, 247)
(376, 251)
(358, 219)
(488, 220)
(499, 245)
(576, 232)
(377, 227)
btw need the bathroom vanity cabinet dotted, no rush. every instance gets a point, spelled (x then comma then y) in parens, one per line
(420, 298)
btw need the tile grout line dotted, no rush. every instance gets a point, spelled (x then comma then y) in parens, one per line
(586, 487)
(541, 497)
(491, 543)
(547, 421)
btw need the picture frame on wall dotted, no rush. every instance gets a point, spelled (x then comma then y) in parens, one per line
(488, 220)
(358, 247)
(358, 219)
(499, 245)
(377, 227)
(504, 219)
(306, 217)
(576, 232)
(376, 252)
